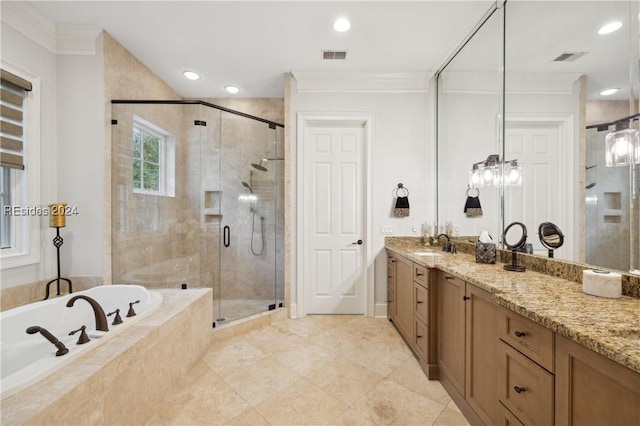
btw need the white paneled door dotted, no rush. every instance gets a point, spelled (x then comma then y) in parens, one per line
(536, 149)
(334, 250)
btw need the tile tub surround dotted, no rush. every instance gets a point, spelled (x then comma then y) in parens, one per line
(606, 326)
(122, 382)
(33, 292)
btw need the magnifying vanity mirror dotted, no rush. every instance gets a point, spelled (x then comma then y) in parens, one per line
(515, 238)
(550, 236)
(544, 111)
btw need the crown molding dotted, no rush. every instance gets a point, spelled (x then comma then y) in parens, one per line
(26, 19)
(60, 39)
(362, 82)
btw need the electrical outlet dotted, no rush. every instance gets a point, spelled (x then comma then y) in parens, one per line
(414, 229)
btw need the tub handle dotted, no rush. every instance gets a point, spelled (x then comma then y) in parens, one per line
(83, 335)
(118, 319)
(131, 312)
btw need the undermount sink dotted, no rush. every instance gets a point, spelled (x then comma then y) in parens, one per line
(425, 253)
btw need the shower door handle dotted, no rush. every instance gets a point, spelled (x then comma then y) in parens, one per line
(226, 236)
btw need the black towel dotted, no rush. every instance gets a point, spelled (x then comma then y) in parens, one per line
(472, 207)
(402, 207)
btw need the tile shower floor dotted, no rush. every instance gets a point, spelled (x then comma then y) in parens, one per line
(333, 369)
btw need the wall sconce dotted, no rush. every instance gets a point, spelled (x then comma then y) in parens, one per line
(622, 146)
(489, 173)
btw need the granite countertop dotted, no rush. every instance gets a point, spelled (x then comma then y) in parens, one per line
(610, 327)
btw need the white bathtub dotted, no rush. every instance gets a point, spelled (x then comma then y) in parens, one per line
(28, 358)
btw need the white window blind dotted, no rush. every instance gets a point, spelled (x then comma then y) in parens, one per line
(12, 94)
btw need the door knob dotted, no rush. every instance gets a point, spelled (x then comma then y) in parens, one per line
(359, 242)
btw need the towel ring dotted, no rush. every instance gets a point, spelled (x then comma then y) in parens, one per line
(401, 187)
(471, 189)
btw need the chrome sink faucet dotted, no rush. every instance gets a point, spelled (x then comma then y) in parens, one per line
(98, 312)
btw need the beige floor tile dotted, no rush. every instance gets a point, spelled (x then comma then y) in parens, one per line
(380, 354)
(155, 420)
(453, 406)
(249, 418)
(232, 357)
(301, 404)
(260, 380)
(390, 403)
(367, 327)
(345, 380)
(338, 340)
(352, 418)
(411, 376)
(303, 327)
(273, 339)
(306, 358)
(451, 417)
(202, 398)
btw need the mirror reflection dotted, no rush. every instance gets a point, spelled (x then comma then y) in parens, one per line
(567, 82)
(550, 236)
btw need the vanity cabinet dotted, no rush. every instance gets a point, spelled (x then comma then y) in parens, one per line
(411, 307)
(593, 390)
(467, 347)
(526, 369)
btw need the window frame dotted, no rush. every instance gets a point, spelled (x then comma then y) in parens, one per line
(26, 226)
(166, 159)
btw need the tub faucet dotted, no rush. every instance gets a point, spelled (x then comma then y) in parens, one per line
(101, 318)
(62, 349)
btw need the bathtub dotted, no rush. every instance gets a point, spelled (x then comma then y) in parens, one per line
(29, 358)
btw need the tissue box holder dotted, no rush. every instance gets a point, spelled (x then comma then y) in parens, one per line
(485, 252)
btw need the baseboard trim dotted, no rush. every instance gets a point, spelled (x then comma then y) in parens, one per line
(380, 310)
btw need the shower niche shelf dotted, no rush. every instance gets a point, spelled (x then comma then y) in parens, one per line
(212, 205)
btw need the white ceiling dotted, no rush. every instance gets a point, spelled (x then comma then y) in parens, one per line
(251, 44)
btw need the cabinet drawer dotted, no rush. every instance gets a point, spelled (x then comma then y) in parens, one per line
(506, 418)
(421, 302)
(421, 339)
(533, 340)
(390, 303)
(525, 388)
(420, 275)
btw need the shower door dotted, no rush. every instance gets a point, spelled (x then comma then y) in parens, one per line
(251, 200)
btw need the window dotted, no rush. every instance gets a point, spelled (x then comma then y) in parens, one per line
(153, 159)
(19, 168)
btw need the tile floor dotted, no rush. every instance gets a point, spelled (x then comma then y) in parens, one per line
(319, 370)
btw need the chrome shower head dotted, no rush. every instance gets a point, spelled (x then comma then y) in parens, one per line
(259, 166)
(246, 185)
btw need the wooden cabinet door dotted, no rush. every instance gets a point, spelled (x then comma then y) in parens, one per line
(482, 353)
(451, 325)
(593, 390)
(404, 297)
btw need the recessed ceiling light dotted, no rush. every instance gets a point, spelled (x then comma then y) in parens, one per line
(341, 25)
(608, 92)
(610, 27)
(232, 89)
(191, 75)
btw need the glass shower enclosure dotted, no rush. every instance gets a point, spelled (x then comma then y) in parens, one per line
(198, 199)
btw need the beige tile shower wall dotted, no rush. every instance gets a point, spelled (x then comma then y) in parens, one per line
(34, 292)
(125, 78)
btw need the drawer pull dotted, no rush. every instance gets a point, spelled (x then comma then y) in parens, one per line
(448, 278)
(518, 389)
(519, 333)
(419, 301)
(465, 298)
(419, 274)
(389, 276)
(418, 336)
(392, 260)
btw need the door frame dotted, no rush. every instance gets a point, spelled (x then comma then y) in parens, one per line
(306, 120)
(568, 151)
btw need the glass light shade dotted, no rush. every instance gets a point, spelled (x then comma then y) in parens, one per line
(475, 178)
(513, 175)
(622, 148)
(488, 174)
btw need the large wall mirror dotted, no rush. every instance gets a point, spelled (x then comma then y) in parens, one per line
(554, 122)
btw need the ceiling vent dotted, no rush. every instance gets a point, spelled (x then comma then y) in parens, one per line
(569, 56)
(334, 54)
